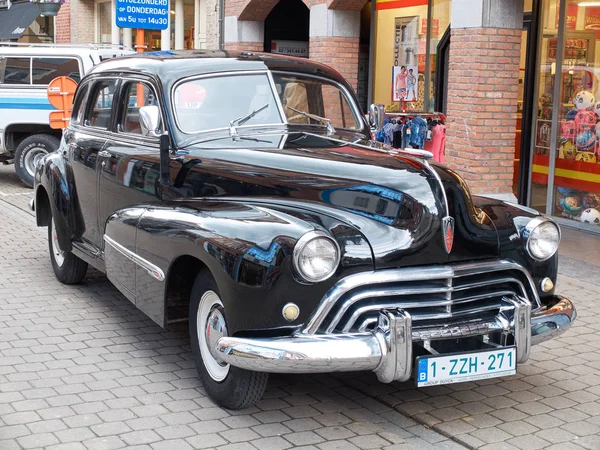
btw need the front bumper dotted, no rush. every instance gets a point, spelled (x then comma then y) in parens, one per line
(388, 349)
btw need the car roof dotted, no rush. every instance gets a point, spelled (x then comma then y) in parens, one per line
(173, 65)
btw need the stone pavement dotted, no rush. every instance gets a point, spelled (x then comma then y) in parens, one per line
(81, 368)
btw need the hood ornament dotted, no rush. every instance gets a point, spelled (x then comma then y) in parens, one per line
(448, 230)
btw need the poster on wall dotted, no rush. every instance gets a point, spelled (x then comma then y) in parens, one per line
(406, 41)
(405, 81)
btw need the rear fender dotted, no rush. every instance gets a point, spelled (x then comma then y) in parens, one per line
(54, 174)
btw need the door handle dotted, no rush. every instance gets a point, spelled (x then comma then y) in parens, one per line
(104, 154)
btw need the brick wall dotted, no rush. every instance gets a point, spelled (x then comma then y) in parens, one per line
(83, 23)
(212, 24)
(341, 53)
(482, 106)
(245, 46)
(63, 24)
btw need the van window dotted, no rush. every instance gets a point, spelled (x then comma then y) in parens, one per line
(15, 71)
(47, 69)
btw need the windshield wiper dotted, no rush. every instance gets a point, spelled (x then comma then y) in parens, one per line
(242, 120)
(325, 120)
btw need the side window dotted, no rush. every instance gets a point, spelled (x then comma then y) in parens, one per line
(98, 114)
(80, 95)
(15, 71)
(136, 96)
(44, 70)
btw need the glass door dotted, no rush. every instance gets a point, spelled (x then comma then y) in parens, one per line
(543, 127)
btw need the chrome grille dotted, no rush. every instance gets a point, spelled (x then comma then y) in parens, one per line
(432, 295)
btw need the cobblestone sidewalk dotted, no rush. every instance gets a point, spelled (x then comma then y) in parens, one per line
(81, 368)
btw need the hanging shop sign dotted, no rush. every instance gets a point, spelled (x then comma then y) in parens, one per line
(592, 20)
(143, 14)
(571, 19)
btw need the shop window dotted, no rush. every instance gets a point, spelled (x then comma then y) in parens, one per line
(44, 70)
(15, 71)
(572, 189)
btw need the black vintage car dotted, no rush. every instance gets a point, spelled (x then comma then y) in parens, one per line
(242, 192)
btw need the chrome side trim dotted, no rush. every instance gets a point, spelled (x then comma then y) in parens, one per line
(430, 273)
(153, 270)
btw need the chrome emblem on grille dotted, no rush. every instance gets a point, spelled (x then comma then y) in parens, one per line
(448, 230)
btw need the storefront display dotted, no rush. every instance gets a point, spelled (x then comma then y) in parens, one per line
(570, 187)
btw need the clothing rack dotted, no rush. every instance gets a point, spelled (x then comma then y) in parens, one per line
(423, 114)
(415, 130)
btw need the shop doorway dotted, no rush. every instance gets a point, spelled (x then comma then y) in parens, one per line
(285, 36)
(525, 107)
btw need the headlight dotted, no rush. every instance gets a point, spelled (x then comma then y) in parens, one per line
(542, 238)
(316, 256)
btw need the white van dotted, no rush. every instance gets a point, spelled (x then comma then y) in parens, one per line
(25, 72)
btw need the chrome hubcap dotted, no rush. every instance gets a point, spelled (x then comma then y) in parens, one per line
(57, 253)
(215, 330)
(31, 159)
(211, 327)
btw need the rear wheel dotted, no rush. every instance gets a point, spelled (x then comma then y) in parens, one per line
(68, 268)
(29, 152)
(229, 386)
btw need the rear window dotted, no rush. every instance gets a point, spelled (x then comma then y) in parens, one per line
(37, 70)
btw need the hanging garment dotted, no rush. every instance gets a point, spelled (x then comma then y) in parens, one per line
(398, 130)
(437, 145)
(418, 132)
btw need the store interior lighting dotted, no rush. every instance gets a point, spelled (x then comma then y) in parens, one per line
(588, 4)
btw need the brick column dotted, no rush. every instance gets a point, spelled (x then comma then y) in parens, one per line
(63, 24)
(483, 81)
(83, 13)
(334, 39)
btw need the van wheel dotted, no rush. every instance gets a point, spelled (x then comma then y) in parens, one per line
(29, 152)
(231, 387)
(68, 268)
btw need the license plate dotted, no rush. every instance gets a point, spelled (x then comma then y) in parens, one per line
(458, 368)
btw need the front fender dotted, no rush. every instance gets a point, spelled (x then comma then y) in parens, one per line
(509, 218)
(248, 249)
(54, 175)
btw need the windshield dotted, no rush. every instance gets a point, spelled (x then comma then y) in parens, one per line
(213, 102)
(314, 96)
(245, 100)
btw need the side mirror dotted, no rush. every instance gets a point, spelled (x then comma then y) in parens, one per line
(150, 120)
(376, 117)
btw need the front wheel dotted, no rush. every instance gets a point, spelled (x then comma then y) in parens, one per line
(68, 268)
(229, 386)
(29, 152)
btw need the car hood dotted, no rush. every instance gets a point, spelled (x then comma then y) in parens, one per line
(396, 201)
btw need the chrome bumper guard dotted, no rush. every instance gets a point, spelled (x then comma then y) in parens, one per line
(388, 349)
